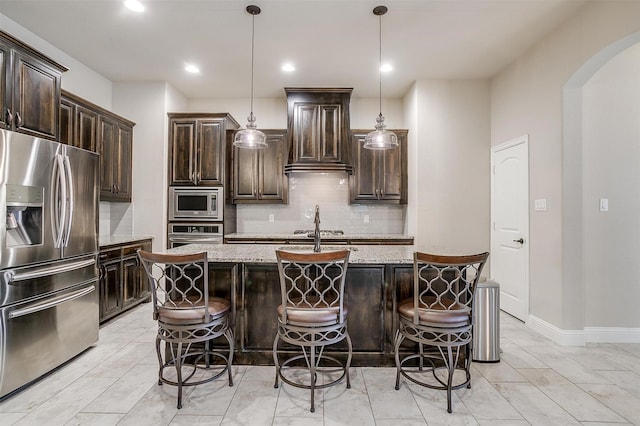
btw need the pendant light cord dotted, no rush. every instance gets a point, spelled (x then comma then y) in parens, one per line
(380, 62)
(253, 32)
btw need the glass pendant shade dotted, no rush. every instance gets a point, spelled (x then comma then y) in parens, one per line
(251, 137)
(380, 138)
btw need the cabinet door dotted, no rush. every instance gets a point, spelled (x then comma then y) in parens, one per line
(110, 290)
(364, 181)
(245, 175)
(392, 171)
(272, 182)
(183, 148)
(86, 128)
(108, 133)
(123, 165)
(365, 298)
(67, 113)
(36, 98)
(5, 100)
(330, 129)
(260, 300)
(210, 152)
(132, 276)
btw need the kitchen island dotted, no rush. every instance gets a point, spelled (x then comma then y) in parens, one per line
(378, 277)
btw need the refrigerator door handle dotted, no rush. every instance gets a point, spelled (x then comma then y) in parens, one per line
(71, 195)
(51, 270)
(50, 303)
(58, 204)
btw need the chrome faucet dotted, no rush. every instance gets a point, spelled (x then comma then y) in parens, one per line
(316, 232)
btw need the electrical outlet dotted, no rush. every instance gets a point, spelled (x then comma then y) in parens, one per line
(271, 217)
(366, 218)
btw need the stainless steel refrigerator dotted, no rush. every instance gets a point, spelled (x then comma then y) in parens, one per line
(48, 254)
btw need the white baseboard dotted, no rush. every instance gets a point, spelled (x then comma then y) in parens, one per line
(587, 335)
(612, 334)
(558, 335)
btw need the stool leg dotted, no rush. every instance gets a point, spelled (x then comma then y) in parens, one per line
(160, 361)
(178, 362)
(398, 341)
(451, 369)
(229, 335)
(312, 370)
(275, 360)
(348, 364)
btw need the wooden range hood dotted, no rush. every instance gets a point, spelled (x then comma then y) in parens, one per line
(319, 134)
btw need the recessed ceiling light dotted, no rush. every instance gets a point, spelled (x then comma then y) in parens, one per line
(134, 5)
(386, 68)
(288, 67)
(191, 68)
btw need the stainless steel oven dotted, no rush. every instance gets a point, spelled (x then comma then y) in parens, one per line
(182, 233)
(188, 203)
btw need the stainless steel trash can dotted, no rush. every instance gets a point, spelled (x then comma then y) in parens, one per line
(486, 317)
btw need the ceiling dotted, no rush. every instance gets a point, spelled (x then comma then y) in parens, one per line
(331, 43)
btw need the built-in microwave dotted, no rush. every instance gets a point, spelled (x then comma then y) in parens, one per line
(196, 203)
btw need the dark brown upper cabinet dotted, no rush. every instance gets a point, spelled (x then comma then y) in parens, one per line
(29, 89)
(198, 148)
(115, 144)
(318, 129)
(380, 176)
(258, 174)
(78, 122)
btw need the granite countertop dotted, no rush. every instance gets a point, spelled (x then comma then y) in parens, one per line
(292, 236)
(265, 253)
(113, 240)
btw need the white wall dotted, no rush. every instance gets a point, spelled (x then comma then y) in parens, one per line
(452, 155)
(611, 159)
(527, 98)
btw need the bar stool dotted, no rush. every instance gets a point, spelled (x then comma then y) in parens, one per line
(188, 319)
(439, 315)
(312, 315)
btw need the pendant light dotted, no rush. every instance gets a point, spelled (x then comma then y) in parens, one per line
(380, 138)
(251, 137)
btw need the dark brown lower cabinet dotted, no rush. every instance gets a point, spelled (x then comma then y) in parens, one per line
(123, 282)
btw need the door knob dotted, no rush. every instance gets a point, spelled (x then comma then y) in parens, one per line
(521, 241)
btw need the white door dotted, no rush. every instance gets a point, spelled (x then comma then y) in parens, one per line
(510, 224)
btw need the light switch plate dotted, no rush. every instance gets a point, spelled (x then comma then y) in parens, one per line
(271, 217)
(604, 204)
(540, 205)
(366, 218)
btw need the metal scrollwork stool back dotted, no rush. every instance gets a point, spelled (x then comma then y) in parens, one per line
(439, 316)
(188, 319)
(312, 315)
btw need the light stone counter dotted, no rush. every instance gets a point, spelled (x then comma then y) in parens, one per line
(265, 253)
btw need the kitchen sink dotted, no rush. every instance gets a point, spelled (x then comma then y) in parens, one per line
(309, 248)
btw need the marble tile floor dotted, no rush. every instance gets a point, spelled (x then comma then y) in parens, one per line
(536, 383)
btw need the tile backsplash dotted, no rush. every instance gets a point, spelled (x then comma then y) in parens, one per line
(331, 192)
(116, 219)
